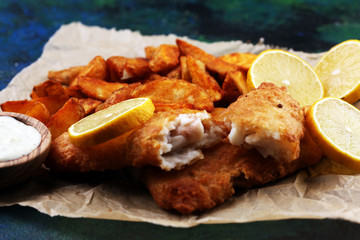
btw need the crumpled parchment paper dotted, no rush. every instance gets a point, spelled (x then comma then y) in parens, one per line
(113, 196)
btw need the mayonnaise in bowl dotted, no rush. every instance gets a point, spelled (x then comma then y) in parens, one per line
(16, 138)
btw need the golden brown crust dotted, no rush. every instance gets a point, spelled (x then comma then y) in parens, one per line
(144, 144)
(213, 64)
(170, 91)
(269, 109)
(200, 186)
(210, 181)
(66, 157)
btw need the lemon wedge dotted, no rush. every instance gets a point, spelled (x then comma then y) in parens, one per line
(335, 126)
(286, 69)
(339, 71)
(111, 122)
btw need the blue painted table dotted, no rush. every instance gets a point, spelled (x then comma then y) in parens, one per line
(306, 25)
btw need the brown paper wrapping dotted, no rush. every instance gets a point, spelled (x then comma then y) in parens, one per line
(112, 196)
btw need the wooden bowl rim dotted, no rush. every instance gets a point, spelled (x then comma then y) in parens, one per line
(40, 150)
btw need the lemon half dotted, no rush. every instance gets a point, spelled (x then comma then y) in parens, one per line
(286, 69)
(339, 71)
(111, 122)
(335, 126)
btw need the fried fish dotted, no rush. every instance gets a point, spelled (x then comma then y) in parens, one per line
(213, 179)
(173, 139)
(268, 119)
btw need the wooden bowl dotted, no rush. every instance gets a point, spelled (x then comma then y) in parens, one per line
(17, 170)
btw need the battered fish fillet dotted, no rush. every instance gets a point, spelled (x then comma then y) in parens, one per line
(66, 157)
(268, 119)
(173, 139)
(212, 180)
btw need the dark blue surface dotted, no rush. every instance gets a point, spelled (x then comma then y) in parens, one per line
(27, 223)
(307, 25)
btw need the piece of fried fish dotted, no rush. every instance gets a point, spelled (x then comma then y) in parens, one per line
(268, 119)
(213, 179)
(173, 139)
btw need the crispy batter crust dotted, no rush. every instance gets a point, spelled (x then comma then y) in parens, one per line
(210, 181)
(66, 157)
(268, 119)
(144, 144)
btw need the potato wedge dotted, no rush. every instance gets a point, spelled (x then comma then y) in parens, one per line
(96, 68)
(53, 103)
(118, 96)
(234, 85)
(116, 66)
(137, 67)
(89, 104)
(39, 111)
(164, 58)
(47, 88)
(175, 73)
(28, 107)
(71, 112)
(20, 106)
(213, 64)
(185, 74)
(97, 88)
(149, 51)
(73, 91)
(244, 60)
(65, 76)
(201, 78)
(171, 91)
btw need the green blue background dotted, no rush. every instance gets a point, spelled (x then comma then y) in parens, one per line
(304, 25)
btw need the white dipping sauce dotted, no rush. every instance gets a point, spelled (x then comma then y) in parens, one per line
(16, 138)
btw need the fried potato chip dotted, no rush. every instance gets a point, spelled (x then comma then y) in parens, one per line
(116, 66)
(201, 78)
(89, 104)
(71, 112)
(96, 68)
(97, 88)
(39, 111)
(67, 75)
(213, 64)
(234, 85)
(163, 58)
(118, 96)
(244, 60)
(47, 88)
(171, 91)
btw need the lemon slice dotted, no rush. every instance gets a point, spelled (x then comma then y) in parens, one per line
(339, 71)
(111, 122)
(285, 69)
(335, 126)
